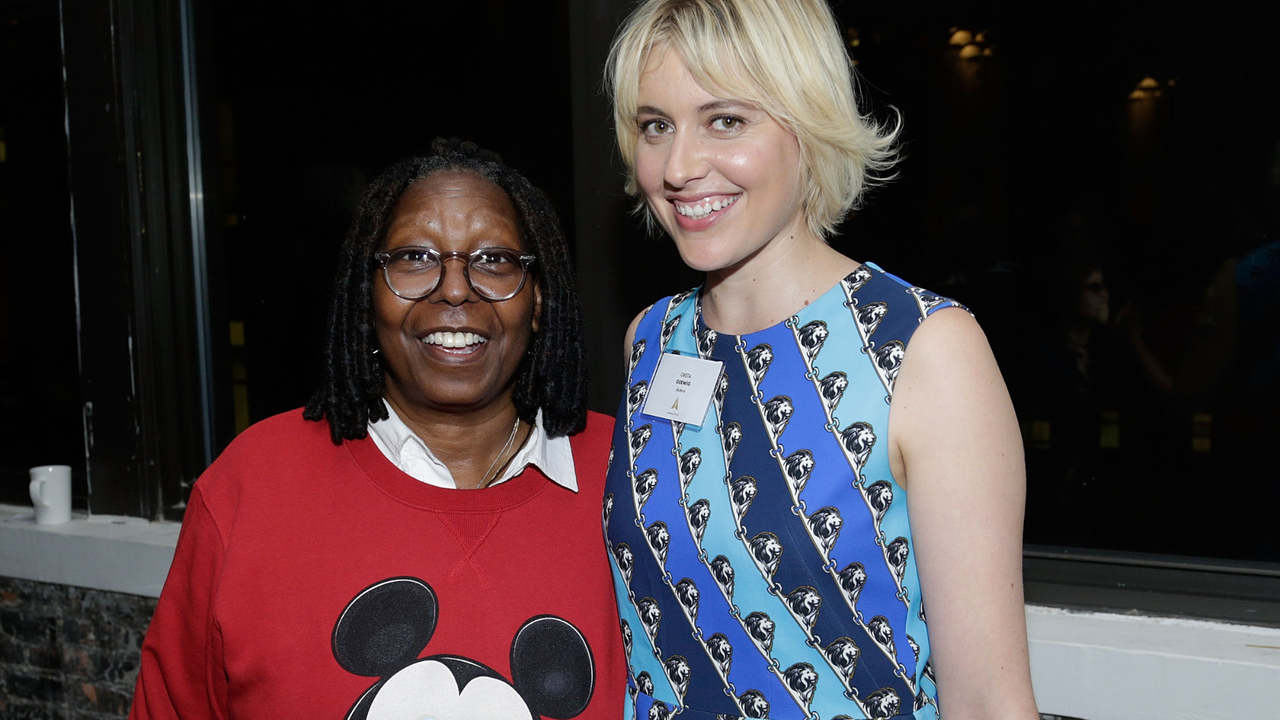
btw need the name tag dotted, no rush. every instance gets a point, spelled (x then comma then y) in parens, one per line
(681, 388)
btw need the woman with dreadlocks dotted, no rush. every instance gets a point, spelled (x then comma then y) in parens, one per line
(423, 540)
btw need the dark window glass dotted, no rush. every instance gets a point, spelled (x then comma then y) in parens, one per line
(1103, 192)
(40, 417)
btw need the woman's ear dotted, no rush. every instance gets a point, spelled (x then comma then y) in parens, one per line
(537, 307)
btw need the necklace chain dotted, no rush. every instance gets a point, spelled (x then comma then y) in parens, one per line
(485, 479)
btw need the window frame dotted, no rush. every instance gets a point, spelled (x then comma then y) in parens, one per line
(140, 230)
(1127, 582)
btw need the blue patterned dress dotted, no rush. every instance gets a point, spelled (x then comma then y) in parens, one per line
(763, 561)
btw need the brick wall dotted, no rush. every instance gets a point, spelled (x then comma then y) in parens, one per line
(68, 652)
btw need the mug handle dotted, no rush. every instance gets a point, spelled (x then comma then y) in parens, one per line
(37, 495)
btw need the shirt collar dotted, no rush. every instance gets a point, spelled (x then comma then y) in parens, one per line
(407, 451)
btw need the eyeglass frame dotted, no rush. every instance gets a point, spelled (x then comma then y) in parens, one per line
(383, 258)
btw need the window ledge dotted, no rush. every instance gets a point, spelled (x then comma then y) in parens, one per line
(102, 552)
(1133, 665)
(1106, 665)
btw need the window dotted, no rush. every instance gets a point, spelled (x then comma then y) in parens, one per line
(201, 187)
(39, 380)
(1105, 200)
(1104, 193)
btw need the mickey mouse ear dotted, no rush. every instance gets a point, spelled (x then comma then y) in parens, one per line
(384, 627)
(552, 667)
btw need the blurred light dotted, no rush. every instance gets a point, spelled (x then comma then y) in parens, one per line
(1201, 433)
(960, 37)
(970, 51)
(1109, 430)
(240, 403)
(1039, 435)
(1147, 89)
(851, 35)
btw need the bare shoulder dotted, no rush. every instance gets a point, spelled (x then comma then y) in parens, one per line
(948, 390)
(947, 336)
(948, 358)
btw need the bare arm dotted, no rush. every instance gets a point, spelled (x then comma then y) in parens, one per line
(958, 452)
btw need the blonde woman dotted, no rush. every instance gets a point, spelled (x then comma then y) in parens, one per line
(846, 454)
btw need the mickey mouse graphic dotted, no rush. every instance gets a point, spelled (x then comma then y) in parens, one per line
(386, 625)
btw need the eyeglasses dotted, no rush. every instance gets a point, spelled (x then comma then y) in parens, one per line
(494, 273)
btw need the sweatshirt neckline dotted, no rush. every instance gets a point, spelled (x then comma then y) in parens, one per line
(410, 491)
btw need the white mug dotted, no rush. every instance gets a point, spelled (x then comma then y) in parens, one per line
(51, 493)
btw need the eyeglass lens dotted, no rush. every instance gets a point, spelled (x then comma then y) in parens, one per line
(494, 273)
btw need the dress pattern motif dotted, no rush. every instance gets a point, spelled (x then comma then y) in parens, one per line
(762, 561)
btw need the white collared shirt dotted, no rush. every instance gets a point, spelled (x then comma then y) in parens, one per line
(407, 451)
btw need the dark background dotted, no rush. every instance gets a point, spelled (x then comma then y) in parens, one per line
(1025, 168)
(40, 421)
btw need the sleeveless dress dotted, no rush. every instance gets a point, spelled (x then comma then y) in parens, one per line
(762, 561)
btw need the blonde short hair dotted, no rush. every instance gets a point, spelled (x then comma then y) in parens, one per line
(785, 56)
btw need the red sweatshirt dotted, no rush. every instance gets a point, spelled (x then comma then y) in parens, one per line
(318, 581)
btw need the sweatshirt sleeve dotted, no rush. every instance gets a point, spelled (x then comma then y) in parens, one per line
(181, 673)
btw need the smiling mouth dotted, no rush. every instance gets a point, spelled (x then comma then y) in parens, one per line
(455, 339)
(700, 210)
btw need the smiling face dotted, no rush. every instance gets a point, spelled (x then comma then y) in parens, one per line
(452, 350)
(720, 175)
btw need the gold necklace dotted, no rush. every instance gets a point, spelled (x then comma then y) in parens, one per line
(485, 479)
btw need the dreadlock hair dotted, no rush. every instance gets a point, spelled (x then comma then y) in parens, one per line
(553, 373)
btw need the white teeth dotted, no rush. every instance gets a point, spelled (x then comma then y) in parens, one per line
(453, 339)
(697, 212)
